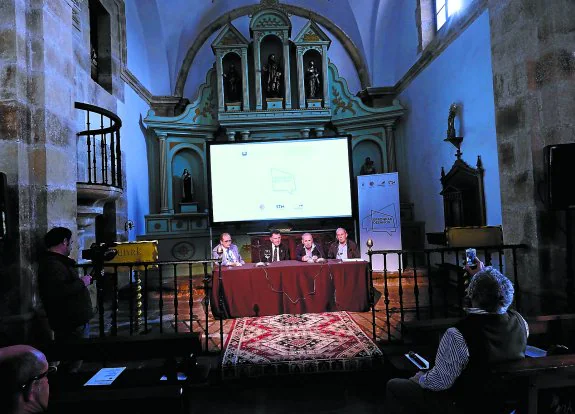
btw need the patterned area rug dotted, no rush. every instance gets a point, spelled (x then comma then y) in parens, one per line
(288, 344)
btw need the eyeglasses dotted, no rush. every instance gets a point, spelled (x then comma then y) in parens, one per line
(51, 369)
(227, 241)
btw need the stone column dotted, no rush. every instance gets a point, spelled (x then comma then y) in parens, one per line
(304, 132)
(245, 135)
(164, 207)
(390, 147)
(220, 82)
(301, 78)
(245, 81)
(258, 71)
(37, 146)
(319, 132)
(231, 135)
(324, 73)
(533, 88)
(287, 75)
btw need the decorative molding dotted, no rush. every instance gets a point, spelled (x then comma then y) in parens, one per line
(134, 83)
(76, 22)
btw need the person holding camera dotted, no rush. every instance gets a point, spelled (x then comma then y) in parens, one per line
(65, 296)
(460, 381)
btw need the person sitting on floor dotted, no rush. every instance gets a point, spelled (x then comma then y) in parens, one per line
(24, 384)
(460, 380)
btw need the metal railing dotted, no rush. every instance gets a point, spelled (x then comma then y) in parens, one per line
(161, 279)
(442, 270)
(103, 150)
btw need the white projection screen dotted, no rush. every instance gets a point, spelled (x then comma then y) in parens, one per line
(283, 179)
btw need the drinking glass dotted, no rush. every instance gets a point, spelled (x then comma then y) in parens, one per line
(267, 254)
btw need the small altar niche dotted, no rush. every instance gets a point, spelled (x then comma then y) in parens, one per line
(272, 69)
(232, 81)
(313, 86)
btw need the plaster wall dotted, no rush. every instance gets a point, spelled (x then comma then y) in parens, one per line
(131, 111)
(461, 74)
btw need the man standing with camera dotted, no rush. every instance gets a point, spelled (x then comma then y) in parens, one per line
(65, 295)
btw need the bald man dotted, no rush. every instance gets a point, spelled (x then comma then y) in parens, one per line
(24, 384)
(343, 248)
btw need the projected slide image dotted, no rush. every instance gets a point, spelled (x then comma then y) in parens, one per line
(280, 180)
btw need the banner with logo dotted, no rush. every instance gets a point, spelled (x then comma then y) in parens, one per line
(378, 198)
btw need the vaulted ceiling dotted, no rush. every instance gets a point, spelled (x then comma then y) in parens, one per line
(170, 28)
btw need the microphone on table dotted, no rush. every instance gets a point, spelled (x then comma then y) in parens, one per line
(220, 252)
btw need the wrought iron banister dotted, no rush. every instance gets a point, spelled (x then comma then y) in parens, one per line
(103, 150)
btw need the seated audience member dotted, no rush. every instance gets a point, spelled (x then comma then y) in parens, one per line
(460, 381)
(343, 248)
(308, 251)
(24, 384)
(231, 255)
(277, 249)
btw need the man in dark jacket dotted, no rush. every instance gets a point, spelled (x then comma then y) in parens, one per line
(343, 248)
(460, 381)
(308, 251)
(65, 296)
(278, 251)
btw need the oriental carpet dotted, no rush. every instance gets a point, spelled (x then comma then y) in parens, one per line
(288, 344)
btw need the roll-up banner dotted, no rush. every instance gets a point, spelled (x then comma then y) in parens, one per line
(378, 199)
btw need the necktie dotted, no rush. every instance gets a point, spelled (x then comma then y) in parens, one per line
(276, 254)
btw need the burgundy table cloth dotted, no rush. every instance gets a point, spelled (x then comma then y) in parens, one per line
(290, 287)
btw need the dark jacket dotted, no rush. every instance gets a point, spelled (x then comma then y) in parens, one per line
(65, 297)
(352, 250)
(284, 253)
(491, 339)
(300, 252)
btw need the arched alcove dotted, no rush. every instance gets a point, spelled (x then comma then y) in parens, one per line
(368, 147)
(189, 159)
(314, 56)
(271, 46)
(232, 77)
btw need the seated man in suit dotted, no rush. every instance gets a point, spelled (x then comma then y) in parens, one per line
(308, 251)
(24, 384)
(231, 255)
(343, 248)
(460, 381)
(277, 249)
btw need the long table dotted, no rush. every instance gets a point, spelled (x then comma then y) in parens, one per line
(290, 287)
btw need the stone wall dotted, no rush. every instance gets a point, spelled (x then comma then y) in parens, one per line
(44, 69)
(533, 45)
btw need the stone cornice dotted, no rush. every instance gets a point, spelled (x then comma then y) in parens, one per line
(133, 82)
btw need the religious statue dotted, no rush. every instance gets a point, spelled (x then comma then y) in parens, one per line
(312, 84)
(273, 77)
(187, 187)
(232, 84)
(367, 168)
(451, 121)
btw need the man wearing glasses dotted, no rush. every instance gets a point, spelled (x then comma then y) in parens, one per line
(24, 384)
(231, 255)
(65, 296)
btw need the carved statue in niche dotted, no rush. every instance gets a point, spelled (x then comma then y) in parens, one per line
(367, 168)
(232, 84)
(312, 78)
(273, 77)
(451, 121)
(187, 187)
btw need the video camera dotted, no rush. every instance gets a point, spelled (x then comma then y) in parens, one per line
(99, 253)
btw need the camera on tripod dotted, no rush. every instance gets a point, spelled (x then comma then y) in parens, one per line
(99, 253)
